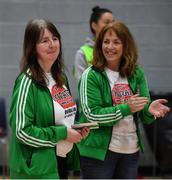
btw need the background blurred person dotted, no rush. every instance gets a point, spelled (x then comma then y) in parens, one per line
(83, 58)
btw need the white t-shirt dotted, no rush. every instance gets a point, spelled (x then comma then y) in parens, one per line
(124, 138)
(64, 111)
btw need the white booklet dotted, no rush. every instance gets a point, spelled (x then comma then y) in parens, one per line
(90, 125)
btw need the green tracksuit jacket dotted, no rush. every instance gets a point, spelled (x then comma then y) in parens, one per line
(34, 134)
(96, 105)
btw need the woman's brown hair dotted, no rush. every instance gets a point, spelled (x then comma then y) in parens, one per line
(129, 57)
(33, 33)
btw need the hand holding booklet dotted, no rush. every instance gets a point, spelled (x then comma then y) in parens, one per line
(90, 125)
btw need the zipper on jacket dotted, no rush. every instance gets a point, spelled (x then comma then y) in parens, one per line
(105, 76)
(136, 117)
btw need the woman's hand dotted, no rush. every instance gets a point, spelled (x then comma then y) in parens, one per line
(158, 109)
(84, 132)
(137, 103)
(73, 136)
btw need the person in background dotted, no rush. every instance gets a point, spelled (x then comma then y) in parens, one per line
(83, 58)
(114, 93)
(42, 109)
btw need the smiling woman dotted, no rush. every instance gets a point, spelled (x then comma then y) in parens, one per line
(109, 96)
(42, 108)
(112, 48)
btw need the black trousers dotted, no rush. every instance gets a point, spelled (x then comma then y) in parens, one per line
(62, 167)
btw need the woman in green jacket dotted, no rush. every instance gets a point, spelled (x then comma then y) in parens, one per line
(114, 93)
(42, 109)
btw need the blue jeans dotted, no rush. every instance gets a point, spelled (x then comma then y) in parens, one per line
(115, 166)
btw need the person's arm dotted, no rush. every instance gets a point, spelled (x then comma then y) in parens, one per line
(80, 64)
(92, 105)
(22, 118)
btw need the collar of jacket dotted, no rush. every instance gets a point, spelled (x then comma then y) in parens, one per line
(102, 71)
(28, 73)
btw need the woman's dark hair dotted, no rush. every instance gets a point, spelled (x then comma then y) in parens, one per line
(129, 56)
(33, 33)
(96, 15)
